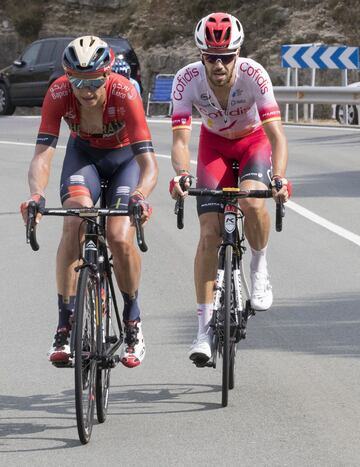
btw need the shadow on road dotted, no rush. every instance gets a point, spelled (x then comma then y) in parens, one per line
(320, 325)
(333, 140)
(144, 399)
(327, 185)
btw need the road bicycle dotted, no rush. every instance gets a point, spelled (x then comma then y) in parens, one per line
(231, 305)
(96, 332)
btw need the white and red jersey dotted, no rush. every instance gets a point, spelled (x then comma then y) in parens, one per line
(251, 100)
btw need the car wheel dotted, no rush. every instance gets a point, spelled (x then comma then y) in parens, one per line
(352, 114)
(6, 107)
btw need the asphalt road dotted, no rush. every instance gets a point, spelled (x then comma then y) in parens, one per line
(297, 395)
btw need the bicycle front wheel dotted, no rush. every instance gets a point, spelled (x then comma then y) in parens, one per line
(85, 354)
(103, 372)
(226, 334)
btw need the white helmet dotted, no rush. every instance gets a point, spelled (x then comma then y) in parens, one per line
(88, 54)
(219, 31)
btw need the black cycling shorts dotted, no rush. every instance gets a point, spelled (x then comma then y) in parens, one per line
(85, 166)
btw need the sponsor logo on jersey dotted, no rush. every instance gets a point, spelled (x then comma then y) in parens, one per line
(113, 127)
(182, 80)
(181, 120)
(237, 92)
(237, 101)
(55, 87)
(221, 113)
(257, 75)
(267, 114)
(109, 129)
(59, 94)
(123, 91)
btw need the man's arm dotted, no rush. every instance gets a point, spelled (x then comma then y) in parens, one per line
(180, 159)
(39, 170)
(275, 132)
(38, 178)
(148, 173)
(180, 153)
(277, 138)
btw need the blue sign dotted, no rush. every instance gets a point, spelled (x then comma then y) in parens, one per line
(320, 56)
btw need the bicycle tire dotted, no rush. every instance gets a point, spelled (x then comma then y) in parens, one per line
(226, 334)
(85, 355)
(232, 365)
(103, 374)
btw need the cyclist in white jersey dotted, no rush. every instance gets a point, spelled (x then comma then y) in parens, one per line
(240, 121)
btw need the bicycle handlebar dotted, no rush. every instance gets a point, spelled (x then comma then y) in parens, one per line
(80, 212)
(229, 194)
(31, 226)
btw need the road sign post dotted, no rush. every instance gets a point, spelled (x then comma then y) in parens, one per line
(317, 56)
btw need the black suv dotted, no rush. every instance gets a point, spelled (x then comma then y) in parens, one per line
(25, 82)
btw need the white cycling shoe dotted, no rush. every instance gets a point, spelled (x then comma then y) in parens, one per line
(261, 291)
(60, 350)
(200, 351)
(133, 350)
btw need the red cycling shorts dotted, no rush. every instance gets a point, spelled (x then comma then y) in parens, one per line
(215, 163)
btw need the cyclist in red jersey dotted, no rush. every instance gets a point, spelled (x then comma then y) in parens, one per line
(240, 121)
(109, 140)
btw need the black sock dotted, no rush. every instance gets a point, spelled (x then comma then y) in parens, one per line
(66, 309)
(131, 308)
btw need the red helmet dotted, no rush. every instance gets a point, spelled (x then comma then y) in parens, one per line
(219, 31)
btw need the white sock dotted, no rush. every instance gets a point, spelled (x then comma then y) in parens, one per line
(258, 261)
(204, 311)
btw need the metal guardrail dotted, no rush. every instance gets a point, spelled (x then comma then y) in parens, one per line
(317, 94)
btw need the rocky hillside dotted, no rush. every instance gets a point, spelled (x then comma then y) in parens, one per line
(161, 31)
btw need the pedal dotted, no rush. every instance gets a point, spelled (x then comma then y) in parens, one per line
(201, 361)
(111, 339)
(115, 360)
(69, 364)
(109, 362)
(204, 365)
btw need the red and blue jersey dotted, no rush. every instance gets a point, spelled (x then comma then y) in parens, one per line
(123, 123)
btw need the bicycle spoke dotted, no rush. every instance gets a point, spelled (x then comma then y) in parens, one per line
(85, 355)
(226, 336)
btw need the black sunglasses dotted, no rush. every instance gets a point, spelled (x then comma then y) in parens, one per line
(213, 58)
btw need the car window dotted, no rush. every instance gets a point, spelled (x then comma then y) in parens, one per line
(60, 49)
(30, 55)
(46, 52)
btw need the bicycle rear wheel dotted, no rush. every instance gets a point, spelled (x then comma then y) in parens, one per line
(232, 365)
(85, 354)
(226, 335)
(103, 372)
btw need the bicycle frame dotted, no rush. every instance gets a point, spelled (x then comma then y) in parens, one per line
(96, 258)
(95, 255)
(231, 303)
(233, 235)
(96, 332)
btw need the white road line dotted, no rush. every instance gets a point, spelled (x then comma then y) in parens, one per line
(309, 215)
(355, 128)
(324, 223)
(197, 121)
(354, 238)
